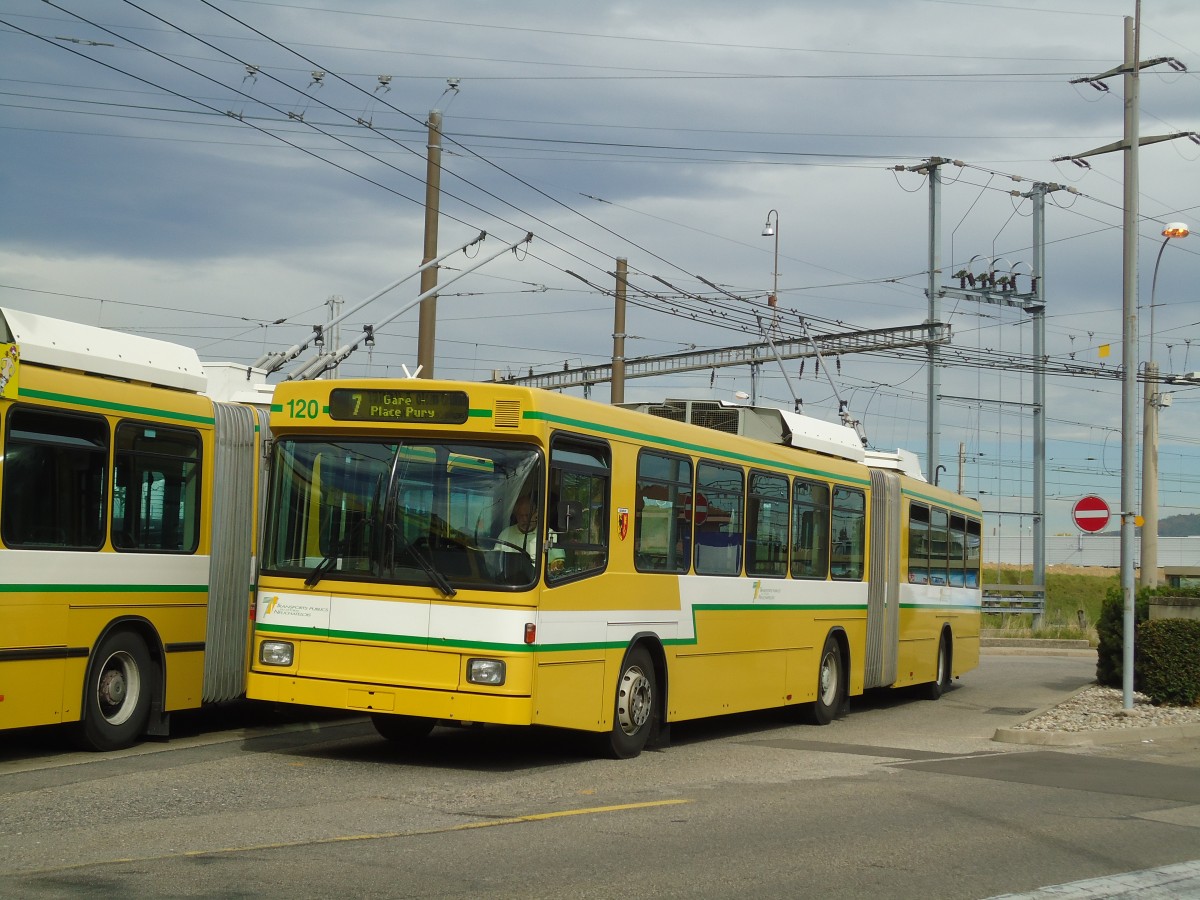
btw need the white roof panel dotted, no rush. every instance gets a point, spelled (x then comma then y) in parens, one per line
(823, 437)
(69, 345)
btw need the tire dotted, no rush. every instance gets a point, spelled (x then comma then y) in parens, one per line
(402, 729)
(121, 681)
(934, 689)
(830, 683)
(635, 706)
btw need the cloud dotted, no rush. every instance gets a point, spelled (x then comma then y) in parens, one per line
(660, 134)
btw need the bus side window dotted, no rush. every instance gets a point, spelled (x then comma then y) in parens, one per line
(939, 543)
(717, 506)
(810, 529)
(918, 544)
(55, 480)
(849, 534)
(956, 549)
(662, 515)
(580, 482)
(974, 539)
(767, 525)
(156, 494)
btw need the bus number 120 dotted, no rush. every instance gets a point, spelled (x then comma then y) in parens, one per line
(303, 409)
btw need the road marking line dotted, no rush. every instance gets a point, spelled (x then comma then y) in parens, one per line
(347, 838)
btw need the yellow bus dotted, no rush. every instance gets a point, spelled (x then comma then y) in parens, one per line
(127, 526)
(438, 551)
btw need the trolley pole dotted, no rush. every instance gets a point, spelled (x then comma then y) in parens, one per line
(427, 324)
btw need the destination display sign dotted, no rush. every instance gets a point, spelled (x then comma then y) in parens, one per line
(414, 407)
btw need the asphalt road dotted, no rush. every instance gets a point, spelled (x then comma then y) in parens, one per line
(902, 798)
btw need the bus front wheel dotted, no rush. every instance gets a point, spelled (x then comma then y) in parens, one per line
(830, 677)
(120, 682)
(634, 707)
(402, 729)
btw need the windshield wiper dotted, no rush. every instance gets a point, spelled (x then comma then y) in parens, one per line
(330, 559)
(318, 571)
(428, 567)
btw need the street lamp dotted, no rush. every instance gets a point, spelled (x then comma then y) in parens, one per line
(1153, 402)
(770, 230)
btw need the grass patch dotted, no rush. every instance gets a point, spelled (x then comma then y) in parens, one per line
(1073, 601)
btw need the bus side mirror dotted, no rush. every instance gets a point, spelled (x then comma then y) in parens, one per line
(568, 512)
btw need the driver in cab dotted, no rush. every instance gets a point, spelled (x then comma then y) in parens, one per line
(522, 533)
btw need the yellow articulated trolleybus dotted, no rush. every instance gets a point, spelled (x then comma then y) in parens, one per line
(453, 552)
(127, 524)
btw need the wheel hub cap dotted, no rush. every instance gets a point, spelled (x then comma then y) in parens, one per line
(634, 701)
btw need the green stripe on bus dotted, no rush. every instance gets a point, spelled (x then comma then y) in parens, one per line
(426, 643)
(378, 637)
(8, 588)
(944, 607)
(107, 406)
(694, 448)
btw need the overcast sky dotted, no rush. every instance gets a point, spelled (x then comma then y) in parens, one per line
(200, 171)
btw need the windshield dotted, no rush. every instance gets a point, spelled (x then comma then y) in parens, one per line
(449, 515)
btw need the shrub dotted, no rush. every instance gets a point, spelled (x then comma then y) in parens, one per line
(1168, 661)
(1110, 630)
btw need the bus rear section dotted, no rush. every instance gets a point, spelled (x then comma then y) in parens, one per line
(127, 515)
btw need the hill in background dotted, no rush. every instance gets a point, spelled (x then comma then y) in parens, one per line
(1187, 525)
(1179, 526)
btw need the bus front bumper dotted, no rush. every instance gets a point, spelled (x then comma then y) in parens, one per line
(457, 706)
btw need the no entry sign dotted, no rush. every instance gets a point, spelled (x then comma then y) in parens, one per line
(1090, 514)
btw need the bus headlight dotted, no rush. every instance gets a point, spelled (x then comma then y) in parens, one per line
(485, 671)
(275, 653)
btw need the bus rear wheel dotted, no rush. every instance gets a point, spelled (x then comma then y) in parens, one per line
(634, 706)
(402, 729)
(830, 683)
(935, 689)
(120, 682)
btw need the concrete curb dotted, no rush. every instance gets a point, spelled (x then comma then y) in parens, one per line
(1144, 733)
(1149, 734)
(1050, 643)
(1036, 651)
(999, 646)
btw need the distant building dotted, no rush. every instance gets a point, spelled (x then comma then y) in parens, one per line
(1085, 550)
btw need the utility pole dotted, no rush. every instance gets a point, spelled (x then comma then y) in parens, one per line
(1154, 401)
(617, 390)
(933, 169)
(427, 324)
(1129, 298)
(1149, 571)
(334, 327)
(1129, 145)
(1038, 309)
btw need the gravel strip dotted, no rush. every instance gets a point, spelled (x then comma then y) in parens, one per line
(1102, 709)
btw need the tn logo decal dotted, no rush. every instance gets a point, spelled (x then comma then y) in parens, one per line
(270, 604)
